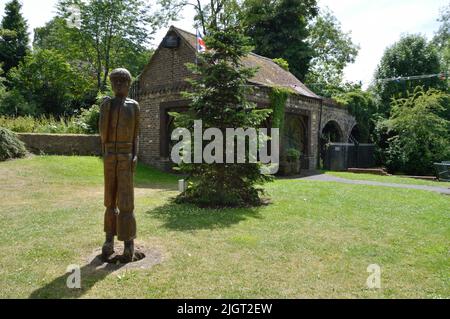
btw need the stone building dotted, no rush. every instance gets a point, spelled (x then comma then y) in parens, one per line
(159, 88)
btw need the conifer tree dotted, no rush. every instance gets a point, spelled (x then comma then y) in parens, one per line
(219, 94)
(13, 36)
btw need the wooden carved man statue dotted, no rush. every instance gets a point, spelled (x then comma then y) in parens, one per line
(119, 130)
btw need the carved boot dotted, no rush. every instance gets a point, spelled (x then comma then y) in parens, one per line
(129, 253)
(108, 247)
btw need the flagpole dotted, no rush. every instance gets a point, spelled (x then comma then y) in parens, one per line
(197, 47)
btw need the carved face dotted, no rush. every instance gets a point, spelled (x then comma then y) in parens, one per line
(120, 86)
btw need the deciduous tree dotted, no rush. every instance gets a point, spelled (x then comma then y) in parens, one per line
(419, 136)
(442, 38)
(411, 56)
(111, 31)
(279, 29)
(46, 81)
(333, 51)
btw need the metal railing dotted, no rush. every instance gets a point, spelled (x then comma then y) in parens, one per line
(443, 171)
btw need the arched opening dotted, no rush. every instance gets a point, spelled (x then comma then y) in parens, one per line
(355, 135)
(295, 134)
(332, 133)
(294, 145)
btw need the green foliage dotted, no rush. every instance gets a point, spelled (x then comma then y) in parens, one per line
(293, 155)
(50, 125)
(209, 14)
(282, 63)
(13, 36)
(445, 111)
(219, 98)
(84, 123)
(419, 136)
(14, 104)
(70, 42)
(279, 29)
(278, 97)
(2, 87)
(10, 145)
(22, 124)
(333, 51)
(89, 119)
(442, 38)
(46, 82)
(412, 55)
(111, 34)
(363, 106)
(57, 35)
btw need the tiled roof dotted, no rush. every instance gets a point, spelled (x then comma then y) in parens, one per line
(269, 73)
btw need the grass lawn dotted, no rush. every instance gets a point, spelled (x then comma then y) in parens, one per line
(315, 240)
(388, 179)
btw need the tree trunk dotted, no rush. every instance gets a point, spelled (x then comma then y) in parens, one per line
(108, 39)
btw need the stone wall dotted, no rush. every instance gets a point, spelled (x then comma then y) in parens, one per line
(341, 116)
(62, 144)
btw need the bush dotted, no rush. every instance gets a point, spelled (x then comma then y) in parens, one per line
(89, 119)
(48, 82)
(293, 155)
(10, 145)
(14, 104)
(418, 136)
(50, 125)
(62, 126)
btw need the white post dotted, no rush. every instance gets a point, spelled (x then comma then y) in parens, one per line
(182, 185)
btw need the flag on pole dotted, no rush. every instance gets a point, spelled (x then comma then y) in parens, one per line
(201, 46)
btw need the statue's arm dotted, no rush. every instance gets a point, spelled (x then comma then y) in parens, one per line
(103, 125)
(136, 134)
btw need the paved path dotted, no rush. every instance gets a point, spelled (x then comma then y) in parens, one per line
(330, 178)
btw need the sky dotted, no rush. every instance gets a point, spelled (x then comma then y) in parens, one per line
(374, 25)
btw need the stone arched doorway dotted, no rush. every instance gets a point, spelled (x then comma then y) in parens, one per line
(331, 133)
(355, 136)
(295, 134)
(294, 145)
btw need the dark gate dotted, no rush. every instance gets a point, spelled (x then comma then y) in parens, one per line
(342, 156)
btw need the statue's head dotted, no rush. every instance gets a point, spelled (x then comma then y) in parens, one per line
(120, 82)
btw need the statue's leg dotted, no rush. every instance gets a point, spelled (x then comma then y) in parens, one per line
(110, 225)
(126, 221)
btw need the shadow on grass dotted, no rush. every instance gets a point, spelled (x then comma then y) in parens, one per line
(57, 289)
(183, 217)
